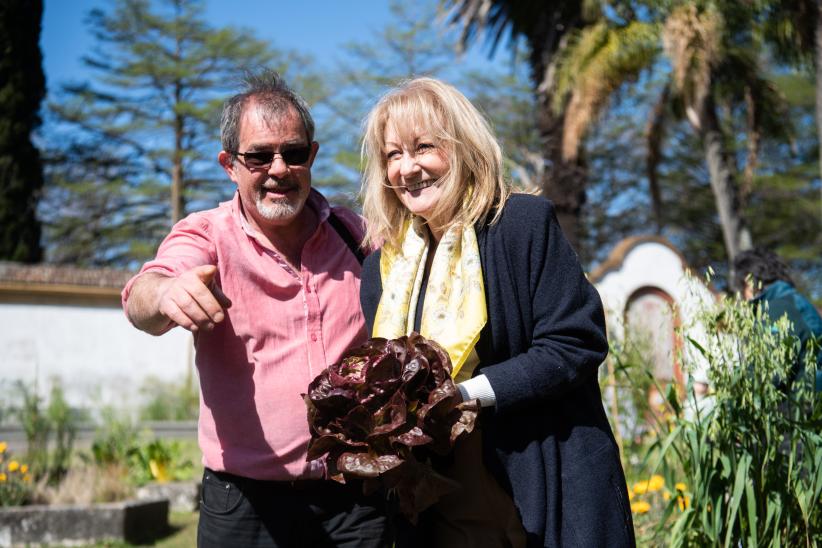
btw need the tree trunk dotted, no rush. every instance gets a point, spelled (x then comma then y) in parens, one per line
(178, 204)
(818, 60)
(735, 232)
(177, 197)
(563, 182)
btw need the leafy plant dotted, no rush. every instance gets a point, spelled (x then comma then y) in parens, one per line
(753, 457)
(160, 461)
(55, 424)
(15, 479)
(63, 421)
(169, 401)
(115, 439)
(627, 383)
(380, 409)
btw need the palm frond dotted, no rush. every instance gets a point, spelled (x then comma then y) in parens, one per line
(596, 63)
(692, 41)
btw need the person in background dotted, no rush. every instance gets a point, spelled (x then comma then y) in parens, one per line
(268, 283)
(491, 278)
(764, 278)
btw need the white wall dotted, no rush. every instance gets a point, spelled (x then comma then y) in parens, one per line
(97, 354)
(650, 264)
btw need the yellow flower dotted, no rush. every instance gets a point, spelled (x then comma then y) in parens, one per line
(666, 496)
(640, 507)
(640, 487)
(656, 483)
(13, 466)
(158, 471)
(27, 478)
(3, 446)
(24, 468)
(2, 477)
(683, 502)
(680, 487)
(631, 494)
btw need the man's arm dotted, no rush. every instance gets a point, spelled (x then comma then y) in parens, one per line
(190, 300)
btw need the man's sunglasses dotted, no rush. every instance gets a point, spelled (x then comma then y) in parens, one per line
(262, 159)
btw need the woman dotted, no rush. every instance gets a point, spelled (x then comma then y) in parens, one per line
(490, 277)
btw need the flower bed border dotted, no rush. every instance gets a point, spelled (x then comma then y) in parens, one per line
(133, 521)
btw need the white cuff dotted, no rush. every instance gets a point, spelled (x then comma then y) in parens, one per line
(478, 388)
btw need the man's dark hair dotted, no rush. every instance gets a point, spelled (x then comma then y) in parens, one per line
(270, 90)
(764, 266)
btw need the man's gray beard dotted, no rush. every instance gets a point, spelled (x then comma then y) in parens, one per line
(281, 210)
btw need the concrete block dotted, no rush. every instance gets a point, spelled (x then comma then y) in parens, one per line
(134, 521)
(184, 496)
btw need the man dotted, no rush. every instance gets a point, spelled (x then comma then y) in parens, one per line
(765, 278)
(270, 291)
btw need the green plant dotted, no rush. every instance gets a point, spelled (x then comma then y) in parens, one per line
(118, 443)
(627, 383)
(36, 426)
(169, 401)
(753, 458)
(15, 479)
(53, 425)
(161, 461)
(63, 421)
(115, 438)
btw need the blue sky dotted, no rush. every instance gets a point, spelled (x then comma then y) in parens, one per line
(318, 27)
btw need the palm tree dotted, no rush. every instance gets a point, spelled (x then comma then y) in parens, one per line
(793, 29)
(545, 29)
(712, 54)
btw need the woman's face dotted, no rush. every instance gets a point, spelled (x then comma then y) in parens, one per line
(414, 170)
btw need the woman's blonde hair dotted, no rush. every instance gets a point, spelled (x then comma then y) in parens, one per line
(474, 185)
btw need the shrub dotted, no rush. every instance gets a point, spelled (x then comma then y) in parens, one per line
(169, 401)
(15, 479)
(161, 461)
(119, 445)
(53, 425)
(751, 453)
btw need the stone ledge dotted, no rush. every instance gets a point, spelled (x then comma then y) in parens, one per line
(131, 521)
(184, 496)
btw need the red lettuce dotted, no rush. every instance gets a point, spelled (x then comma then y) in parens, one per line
(381, 411)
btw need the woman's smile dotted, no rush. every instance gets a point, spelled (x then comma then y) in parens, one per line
(411, 187)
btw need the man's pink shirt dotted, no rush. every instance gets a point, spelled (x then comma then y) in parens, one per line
(283, 328)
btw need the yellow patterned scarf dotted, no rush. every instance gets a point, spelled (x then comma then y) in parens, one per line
(454, 310)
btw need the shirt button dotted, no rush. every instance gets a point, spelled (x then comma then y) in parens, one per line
(314, 337)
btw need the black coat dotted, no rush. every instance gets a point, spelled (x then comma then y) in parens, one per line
(547, 440)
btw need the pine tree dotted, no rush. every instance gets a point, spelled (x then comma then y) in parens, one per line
(133, 151)
(22, 87)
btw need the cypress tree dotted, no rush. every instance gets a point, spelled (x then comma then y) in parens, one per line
(22, 87)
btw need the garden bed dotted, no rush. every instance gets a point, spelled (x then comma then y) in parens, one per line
(130, 521)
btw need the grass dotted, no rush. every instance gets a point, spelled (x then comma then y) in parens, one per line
(184, 530)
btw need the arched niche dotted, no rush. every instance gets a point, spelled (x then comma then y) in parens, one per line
(651, 317)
